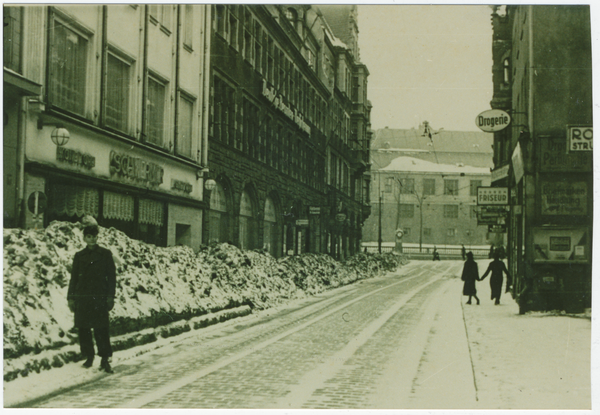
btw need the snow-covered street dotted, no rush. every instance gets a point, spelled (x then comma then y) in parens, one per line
(405, 340)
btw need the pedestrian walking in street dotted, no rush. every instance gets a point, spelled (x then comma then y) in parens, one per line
(491, 254)
(91, 295)
(496, 268)
(436, 254)
(463, 251)
(470, 274)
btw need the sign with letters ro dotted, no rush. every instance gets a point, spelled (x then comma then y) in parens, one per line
(580, 138)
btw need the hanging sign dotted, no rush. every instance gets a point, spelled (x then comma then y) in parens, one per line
(492, 195)
(492, 120)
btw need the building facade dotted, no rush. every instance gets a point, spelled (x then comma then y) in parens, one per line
(110, 116)
(288, 132)
(542, 74)
(427, 186)
(433, 204)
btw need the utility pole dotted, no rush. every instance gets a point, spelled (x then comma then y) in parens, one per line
(380, 203)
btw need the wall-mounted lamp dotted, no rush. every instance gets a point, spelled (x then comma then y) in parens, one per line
(59, 136)
(210, 185)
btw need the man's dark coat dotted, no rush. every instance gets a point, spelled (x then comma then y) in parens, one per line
(93, 280)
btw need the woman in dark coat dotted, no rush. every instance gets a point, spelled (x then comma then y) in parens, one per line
(497, 267)
(91, 296)
(470, 274)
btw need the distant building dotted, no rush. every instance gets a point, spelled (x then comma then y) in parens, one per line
(542, 74)
(426, 188)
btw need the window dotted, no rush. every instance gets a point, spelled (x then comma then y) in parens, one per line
(233, 26)
(451, 187)
(451, 232)
(12, 38)
(407, 210)
(68, 69)
(161, 14)
(428, 187)
(117, 93)
(290, 14)
(258, 52)
(473, 210)
(219, 21)
(406, 231)
(474, 185)
(183, 145)
(188, 23)
(451, 211)
(248, 48)
(506, 67)
(155, 113)
(426, 231)
(408, 186)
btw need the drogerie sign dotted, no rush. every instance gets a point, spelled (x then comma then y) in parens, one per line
(492, 120)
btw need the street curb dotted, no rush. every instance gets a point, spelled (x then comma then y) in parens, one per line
(48, 359)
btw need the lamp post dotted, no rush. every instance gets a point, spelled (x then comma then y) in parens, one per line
(380, 203)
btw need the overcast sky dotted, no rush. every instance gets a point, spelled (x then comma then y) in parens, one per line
(427, 63)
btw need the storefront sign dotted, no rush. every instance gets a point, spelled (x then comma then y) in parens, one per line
(135, 168)
(564, 198)
(554, 157)
(181, 185)
(491, 215)
(74, 157)
(580, 138)
(301, 222)
(517, 163)
(497, 228)
(492, 120)
(492, 195)
(314, 210)
(277, 101)
(499, 173)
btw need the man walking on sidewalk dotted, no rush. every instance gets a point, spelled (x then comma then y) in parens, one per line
(91, 296)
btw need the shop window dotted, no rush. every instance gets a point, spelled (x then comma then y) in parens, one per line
(473, 186)
(155, 114)
(428, 187)
(117, 93)
(70, 203)
(68, 69)
(451, 211)
(183, 234)
(183, 145)
(451, 187)
(118, 211)
(151, 222)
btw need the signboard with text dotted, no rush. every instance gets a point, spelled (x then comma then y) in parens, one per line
(492, 195)
(554, 157)
(564, 198)
(580, 138)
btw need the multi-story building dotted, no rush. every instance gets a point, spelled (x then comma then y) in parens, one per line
(428, 186)
(288, 133)
(542, 74)
(105, 115)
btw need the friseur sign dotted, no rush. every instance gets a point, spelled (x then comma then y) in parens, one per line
(492, 196)
(492, 120)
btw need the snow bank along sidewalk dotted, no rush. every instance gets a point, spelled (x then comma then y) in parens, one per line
(532, 361)
(161, 292)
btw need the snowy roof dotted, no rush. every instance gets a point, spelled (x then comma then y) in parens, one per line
(443, 141)
(414, 165)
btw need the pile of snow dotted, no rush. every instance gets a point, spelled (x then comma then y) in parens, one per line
(156, 286)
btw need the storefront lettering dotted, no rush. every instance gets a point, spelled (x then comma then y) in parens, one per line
(277, 102)
(74, 157)
(135, 168)
(564, 198)
(181, 185)
(554, 157)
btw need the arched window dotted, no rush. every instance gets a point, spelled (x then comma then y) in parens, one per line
(246, 222)
(271, 234)
(218, 225)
